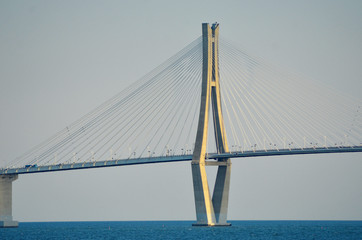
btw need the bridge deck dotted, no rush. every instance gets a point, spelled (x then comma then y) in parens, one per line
(174, 158)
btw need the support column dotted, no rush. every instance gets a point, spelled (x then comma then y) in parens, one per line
(220, 197)
(203, 204)
(210, 212)
(6, 192)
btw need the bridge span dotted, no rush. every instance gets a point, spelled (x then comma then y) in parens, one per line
(210, 159)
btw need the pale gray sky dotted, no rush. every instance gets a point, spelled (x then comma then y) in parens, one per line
(60, 59)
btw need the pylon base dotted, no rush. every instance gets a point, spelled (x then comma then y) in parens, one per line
(211, 225)
(9, 224)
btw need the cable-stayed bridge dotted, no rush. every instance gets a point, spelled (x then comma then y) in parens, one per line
(256, 110)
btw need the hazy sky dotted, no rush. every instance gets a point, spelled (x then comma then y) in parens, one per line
(60, 59)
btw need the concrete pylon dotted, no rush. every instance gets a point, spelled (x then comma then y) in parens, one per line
(6, 192)
(210, 211)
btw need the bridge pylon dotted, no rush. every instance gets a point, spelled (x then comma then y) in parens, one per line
(210, 211)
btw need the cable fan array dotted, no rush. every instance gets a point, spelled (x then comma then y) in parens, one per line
(263, 108)
(155, 116)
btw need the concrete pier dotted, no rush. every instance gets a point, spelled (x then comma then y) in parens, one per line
(6, 192)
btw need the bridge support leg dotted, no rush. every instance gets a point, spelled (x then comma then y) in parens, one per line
(211, 212)
(205, 214)
(220, 197)
(6, 218)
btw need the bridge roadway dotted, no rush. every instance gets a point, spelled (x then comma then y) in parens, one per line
(176, 158)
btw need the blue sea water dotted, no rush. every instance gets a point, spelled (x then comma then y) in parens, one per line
(183, 230)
